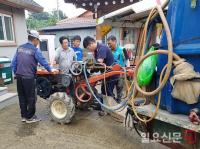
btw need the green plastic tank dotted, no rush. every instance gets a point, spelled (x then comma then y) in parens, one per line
(147, 68)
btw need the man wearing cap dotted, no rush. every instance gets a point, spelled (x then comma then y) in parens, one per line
(24, 65)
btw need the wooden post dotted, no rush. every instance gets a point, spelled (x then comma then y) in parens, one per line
(102, 31)
(121, 36)
(98, 33)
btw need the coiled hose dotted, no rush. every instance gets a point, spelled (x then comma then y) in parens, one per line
(166, 69)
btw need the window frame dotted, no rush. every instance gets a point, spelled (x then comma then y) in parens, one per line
(70, 44)
(44, 40)
(6, 42)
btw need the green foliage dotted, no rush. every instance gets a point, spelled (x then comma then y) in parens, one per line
(40, 16)
(61, 14)
(44, 19)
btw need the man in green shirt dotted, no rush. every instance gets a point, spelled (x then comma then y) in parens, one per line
(121, 58)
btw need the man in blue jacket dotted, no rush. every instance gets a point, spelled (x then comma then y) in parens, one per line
(77, 49)
(24, 65)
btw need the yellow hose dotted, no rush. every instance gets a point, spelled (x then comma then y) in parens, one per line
(144, 34)
(177, 58)
(168, 67)
(152, 15)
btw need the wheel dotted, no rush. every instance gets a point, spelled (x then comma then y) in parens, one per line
(82, 93)
(76, 68)
(131, 122)
(61, 108)
(66, 80)
(44, 87)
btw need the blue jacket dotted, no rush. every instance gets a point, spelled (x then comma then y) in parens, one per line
(79, 53)
(26, 60)
(119, 56)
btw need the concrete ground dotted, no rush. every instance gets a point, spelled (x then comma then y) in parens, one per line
(87, 131)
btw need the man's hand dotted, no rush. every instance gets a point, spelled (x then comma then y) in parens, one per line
(100, 60)
(194, 116)
(53, 64)
(54, 71)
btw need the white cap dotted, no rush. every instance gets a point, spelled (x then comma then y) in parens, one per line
(34, 33)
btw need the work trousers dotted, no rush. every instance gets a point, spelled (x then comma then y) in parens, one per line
(26, 88)
(110, 84)
(119, 88)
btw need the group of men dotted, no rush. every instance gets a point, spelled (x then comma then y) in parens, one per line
(65, 55)
(27, 57)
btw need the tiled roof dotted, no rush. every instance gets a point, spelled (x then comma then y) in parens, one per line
(32, 2)
(72, 23)
(26, 4)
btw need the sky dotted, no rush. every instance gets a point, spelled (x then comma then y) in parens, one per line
(69, 9)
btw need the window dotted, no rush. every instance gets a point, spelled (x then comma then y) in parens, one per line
(1, 29)
(44, 45)
(71, 41)
(104, 41)
(6, 28)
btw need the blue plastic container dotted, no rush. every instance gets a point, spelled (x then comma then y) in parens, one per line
(184, 23)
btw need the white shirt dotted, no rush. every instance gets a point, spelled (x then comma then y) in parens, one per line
(65, 58)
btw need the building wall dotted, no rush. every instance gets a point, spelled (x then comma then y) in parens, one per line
(115, 32)
(129, 38)
(70, 33)
(20, 30)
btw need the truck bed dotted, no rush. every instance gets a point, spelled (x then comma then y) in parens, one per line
(174, 119)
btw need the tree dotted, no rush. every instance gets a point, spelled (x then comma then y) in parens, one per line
(40, 16)
(44, 19)
(61, 14)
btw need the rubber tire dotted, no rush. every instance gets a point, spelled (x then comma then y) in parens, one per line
(69, 105)
(47, 84)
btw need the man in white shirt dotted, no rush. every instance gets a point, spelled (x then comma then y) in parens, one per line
(65, 55)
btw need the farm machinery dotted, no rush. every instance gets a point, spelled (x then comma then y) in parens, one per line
(166, 104)
(66, 92)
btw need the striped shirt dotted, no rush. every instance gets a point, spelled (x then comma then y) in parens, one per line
(65, 58)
